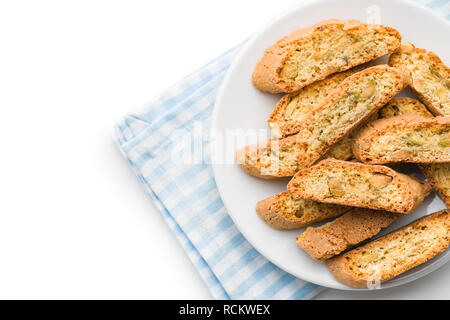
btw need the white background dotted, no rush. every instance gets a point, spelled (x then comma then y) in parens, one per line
(74, 221)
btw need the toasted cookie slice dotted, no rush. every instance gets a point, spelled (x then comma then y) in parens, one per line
(283, 212)
(427, 75)
(438, 174)
(277, 158)
(309, 55)
(359, 185)
(348, 230)
(356, 99)
(400, 106)
(405, 138)
(391, 255)
(292, 108)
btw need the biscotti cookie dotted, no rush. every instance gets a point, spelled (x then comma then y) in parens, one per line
(399, 106)
(359, 185)
(427, 75)
(294, 107)
(277, 158)
(438, 174)
(348, 230)
(283, 212)
(393, 254)
(356, 99)
(405, 138)
(311, 54)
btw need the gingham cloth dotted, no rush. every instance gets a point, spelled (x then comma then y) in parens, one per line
(187, 196)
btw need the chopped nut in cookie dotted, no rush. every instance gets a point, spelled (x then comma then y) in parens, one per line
(335, 186)
(380, 180)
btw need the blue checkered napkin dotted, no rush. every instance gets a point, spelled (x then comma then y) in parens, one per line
(187, 196)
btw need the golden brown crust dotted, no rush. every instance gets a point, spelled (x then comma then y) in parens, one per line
(427, 75)
(348, 230)
(325, 114)
(327, 182)
(413, 150)
(356, 267)
(282, 212)
(266, 76)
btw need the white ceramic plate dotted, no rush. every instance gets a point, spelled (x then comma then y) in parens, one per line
(240, 106)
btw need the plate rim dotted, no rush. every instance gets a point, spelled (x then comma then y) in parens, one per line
(428, 269)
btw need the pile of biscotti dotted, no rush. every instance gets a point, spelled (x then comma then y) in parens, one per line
(342, 135)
